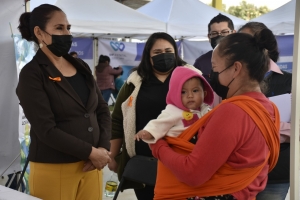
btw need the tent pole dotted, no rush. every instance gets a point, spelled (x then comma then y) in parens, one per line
(294, 140)
(217, 4)
(95, 53)
(181, 46)
(27, 5)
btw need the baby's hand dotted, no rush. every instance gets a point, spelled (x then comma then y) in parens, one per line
(142, 134)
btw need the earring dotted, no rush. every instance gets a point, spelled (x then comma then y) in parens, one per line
(41, 45)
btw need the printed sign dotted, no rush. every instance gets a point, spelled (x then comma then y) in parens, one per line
(124, 53)
(83, 47)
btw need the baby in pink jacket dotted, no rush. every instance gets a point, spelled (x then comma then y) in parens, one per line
(188, 100)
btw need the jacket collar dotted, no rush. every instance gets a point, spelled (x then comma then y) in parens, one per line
(274, 67)
(52, 72)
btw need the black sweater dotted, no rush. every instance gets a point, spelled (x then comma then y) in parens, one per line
(280, 84)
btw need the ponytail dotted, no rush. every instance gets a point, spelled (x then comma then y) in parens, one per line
(38, 17)
(24, 26)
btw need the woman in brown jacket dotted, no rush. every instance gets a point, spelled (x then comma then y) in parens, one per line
(105, 76)
(70, 121)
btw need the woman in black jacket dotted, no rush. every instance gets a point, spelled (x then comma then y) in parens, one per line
(70, 121)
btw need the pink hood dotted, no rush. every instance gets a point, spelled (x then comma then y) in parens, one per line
(178, 78)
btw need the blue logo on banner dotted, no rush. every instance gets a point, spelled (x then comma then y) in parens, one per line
(117, 46)
(83, 47)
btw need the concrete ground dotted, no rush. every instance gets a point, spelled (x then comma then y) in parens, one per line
(126, 195)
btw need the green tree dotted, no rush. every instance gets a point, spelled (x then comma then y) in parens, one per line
(247, 11)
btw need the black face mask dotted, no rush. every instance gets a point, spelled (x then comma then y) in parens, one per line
(215, 41)
(219, 89)
(164, 62)
(61, 44)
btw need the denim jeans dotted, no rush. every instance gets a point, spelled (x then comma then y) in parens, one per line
(106, 94)
(274, 192)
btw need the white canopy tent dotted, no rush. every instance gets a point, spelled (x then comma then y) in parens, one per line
(108, 19)
(9, 103)
(280, 20)
(185, 18)
(9, 134)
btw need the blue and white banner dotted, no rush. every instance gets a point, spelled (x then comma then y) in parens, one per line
(285, 46)
(120, 53)
(193, 49)
(124, 53)
(84, 49)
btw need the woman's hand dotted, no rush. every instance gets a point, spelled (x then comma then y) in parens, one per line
(113, 165)
(88, 166)
(99, 157)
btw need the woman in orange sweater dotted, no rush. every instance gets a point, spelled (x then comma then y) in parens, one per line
(238, 141)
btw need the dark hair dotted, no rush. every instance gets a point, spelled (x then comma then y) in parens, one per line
(102, 63)
(221, 18)
(199, 79)
(256, 27)
(103, 59)
(38, 17)
(72, 53)
(250, 50)
(145, 68)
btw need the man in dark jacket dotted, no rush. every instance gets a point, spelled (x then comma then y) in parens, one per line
(219, 27)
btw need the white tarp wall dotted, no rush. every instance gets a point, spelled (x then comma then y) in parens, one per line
(107, 18)
(280, 20)
(9, 143)
(193, 49)
(185, 18)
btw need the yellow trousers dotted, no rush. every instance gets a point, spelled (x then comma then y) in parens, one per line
(64, 182)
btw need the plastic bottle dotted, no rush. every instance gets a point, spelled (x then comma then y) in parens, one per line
(111, 185)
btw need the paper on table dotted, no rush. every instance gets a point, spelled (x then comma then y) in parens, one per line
(284, 104)
(9, 194)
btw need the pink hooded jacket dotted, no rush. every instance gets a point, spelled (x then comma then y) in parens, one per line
(179, 76)
(175, 118)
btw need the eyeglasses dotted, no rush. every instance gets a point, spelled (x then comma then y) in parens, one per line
(222, 33)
